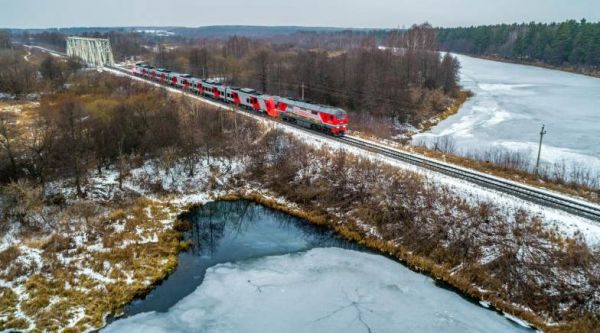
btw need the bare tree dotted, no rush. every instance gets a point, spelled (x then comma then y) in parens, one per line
(8, 138)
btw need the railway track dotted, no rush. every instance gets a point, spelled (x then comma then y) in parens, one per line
(524, 192)
(528, 193)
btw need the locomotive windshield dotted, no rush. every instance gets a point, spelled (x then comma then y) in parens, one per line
(340, 115)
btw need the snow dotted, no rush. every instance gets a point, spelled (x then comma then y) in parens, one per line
(51, 52)
(512, 102)
(566, 223)
(322, 290)
(516, 320)
(76, 316)
(96, 276)
(6, 96)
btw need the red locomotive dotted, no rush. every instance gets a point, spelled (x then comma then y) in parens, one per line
(322, 118)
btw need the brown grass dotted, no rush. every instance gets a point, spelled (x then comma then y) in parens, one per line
(462, 97)
(461, 282)
(52, 296)
(592, 195)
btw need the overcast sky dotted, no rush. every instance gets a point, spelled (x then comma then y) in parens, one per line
(338, 13)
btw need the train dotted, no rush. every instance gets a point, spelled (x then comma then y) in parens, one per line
(323, 118)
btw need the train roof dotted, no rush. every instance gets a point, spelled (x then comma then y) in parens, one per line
(311, 106)
(214, 83)
(248, 91)
(252, 92)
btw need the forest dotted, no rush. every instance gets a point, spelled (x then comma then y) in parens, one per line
(345, 68)
(353, 73)
(566, 44)
(86, 125)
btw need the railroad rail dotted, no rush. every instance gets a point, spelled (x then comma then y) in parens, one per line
(525, 192)
(522, 191)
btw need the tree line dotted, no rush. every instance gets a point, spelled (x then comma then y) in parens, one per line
(22, 74)
(101, 122)
(570, 43)
(408, 85)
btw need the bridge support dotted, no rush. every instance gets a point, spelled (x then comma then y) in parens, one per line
(95, 52)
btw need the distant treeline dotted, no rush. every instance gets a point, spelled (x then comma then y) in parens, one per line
(5, 39)
(570, 43)
(217, 31)
(410, 86)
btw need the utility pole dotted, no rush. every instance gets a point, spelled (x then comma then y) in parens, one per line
(302, 90)
(537, 164)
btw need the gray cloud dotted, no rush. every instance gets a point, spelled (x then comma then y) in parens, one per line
(339, 13)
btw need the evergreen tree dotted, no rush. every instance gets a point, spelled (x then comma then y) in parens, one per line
(569, 43)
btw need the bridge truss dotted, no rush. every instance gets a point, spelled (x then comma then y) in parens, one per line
(95, 52)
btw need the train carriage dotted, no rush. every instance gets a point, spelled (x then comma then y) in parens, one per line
(184, 81)
(213, 89)
(253, 100)
(314, 116)
(233, 96)
(162, 75)
(142, 70)
(323, 118)
(196, 86)
(173, 78)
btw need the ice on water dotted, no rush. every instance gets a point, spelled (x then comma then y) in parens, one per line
(322, 290)
(512, 102)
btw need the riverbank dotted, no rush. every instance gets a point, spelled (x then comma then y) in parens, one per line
(462, 98)
(392, 213)
(353, 231)
(568, 69)
(362, 234)
(380, 129)
(75, 277)
(121, 250)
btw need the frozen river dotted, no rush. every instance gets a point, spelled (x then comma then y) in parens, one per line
(252, 269)
(512, 102)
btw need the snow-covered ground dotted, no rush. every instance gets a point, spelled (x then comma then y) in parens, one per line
(511, 104)
(84, 256)
(322, 290)
(564, 222)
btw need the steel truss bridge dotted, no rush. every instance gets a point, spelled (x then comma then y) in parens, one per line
(95, 52)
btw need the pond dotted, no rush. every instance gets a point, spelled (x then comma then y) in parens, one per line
(253, 269)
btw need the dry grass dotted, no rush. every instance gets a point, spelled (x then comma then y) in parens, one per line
(8, 304)
(140, 254)
(462, 97)
(433, 231)
(350, 230)
(22, 113)
(592, 195)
